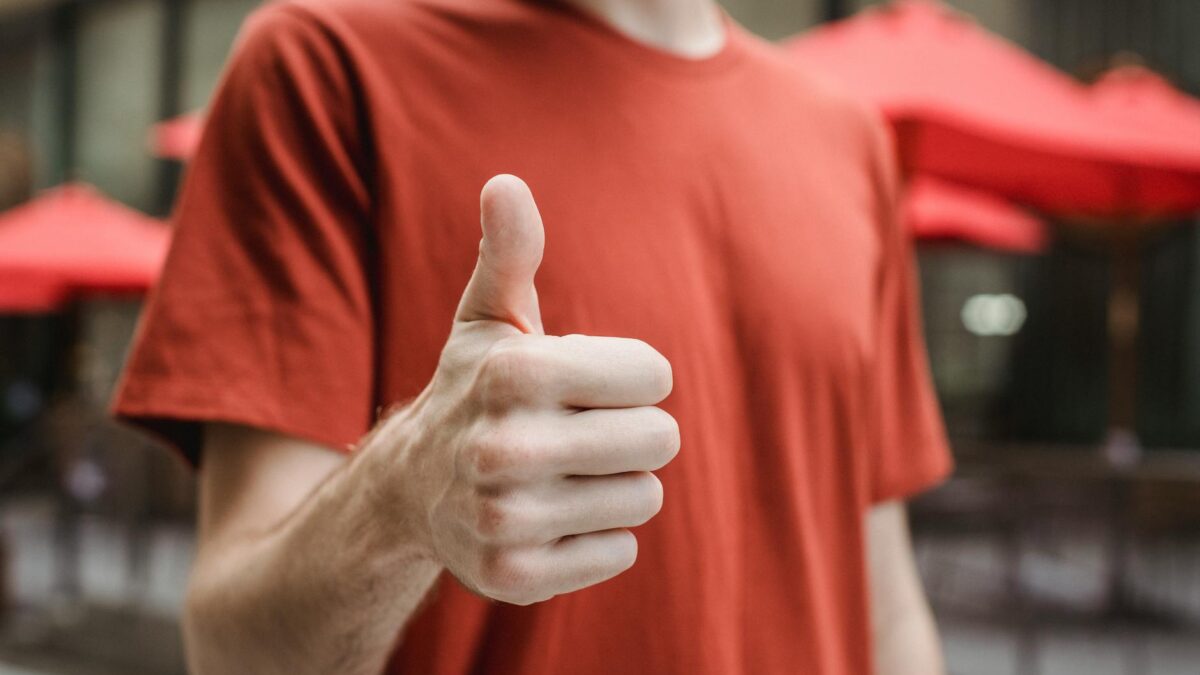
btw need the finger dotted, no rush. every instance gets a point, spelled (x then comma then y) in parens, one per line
(584, 560)
(582, 371)
(583, 504)
(538, 446)
(501, 287)
(566, 506)
(607, 441)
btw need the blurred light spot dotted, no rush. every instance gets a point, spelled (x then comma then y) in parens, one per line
(989, 314)
(86, 480)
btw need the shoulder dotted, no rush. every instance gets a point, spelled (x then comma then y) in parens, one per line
(280, 22)
(376, 43)
(373, 24)
(286, 34)
(847, 134)
(812, 98)
(331, 43)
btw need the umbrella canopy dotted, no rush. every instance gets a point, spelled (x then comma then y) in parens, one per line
(973, 108)
(30, 292)
(177, 137)
(935, 210)
(70, 242)
(1139, 96)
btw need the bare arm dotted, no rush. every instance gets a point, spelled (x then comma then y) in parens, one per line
(905, 636)
(518, 469)
(294, 572)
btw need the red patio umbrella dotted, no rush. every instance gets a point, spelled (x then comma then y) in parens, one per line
(935, 210)
(27, 292)
(177, 137)
(1139, 96)
(70, 242)
(973, 108)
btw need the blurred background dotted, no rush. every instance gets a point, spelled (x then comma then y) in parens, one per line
(1062, 318)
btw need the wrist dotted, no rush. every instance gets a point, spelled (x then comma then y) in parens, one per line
(390, 503)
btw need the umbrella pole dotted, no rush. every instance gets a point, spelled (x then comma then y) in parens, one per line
(1122, 447)
(1123, 326)
(68, 512)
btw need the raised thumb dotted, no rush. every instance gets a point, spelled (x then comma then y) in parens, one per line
(501, 288)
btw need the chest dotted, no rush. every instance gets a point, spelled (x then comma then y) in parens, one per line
(706, 235)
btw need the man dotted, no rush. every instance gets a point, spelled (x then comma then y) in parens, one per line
(403, 474)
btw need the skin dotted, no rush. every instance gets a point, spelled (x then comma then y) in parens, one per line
(691, 28)
(905, 635)
(520, 469)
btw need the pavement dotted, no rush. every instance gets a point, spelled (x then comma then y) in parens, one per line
(112, 611)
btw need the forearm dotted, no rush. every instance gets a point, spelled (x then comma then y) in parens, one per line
(326, 590)
(907, 643)
(905, 635)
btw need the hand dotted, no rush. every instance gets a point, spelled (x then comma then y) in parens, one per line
(528, 456)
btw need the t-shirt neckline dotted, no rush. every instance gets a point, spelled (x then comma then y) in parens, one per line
(648, 55)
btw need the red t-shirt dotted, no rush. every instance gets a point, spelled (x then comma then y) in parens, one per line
(734, 212)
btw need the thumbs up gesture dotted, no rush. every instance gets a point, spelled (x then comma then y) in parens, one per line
(528, 456)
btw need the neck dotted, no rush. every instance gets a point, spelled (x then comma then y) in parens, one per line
(689, 28)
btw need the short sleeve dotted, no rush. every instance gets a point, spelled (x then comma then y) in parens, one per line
(263, 315)
(910, 452)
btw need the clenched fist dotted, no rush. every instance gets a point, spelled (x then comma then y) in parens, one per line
(528, 456)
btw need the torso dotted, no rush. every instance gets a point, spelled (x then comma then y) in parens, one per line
(724, 211)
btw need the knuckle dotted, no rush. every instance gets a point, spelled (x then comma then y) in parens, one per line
(493, 518)
(498, 454)
(504, 518)
(503, 577)
(509, 373)
(490, 458)
(496, 569)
